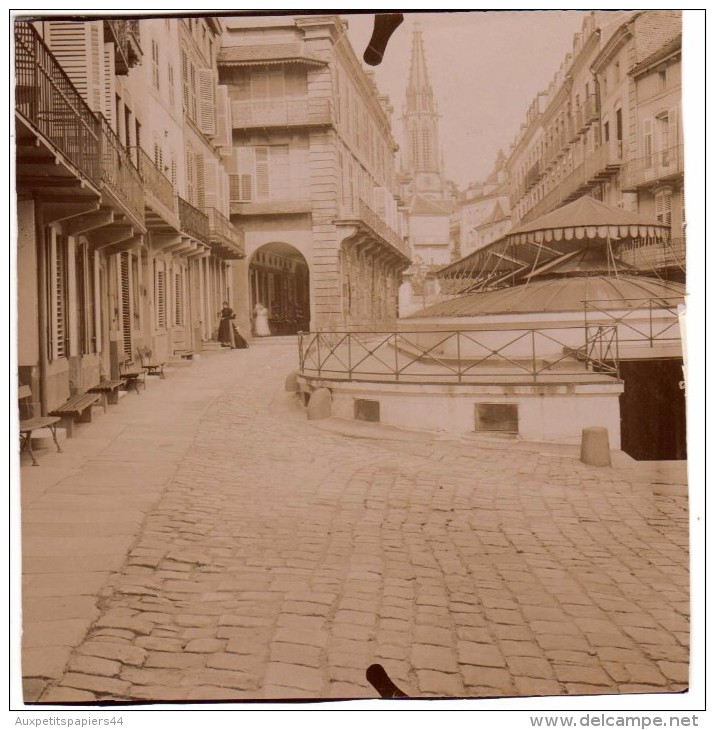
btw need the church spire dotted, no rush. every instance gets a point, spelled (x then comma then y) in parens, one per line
(419, 90)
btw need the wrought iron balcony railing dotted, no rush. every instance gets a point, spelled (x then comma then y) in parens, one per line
(659, 165)
(655, 256)
(127, 48)
(225, 235)
(48, 101)
(194, 222)
(357, 209)
(119, 174)
(281, 112)
(155, 182)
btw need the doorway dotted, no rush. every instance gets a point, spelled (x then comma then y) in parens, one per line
(280, 281)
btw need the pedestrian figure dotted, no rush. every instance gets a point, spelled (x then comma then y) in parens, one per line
(225, 328)
(261, 321)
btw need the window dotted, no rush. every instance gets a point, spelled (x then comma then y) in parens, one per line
(86, 317)
(160, 294)
(178, 299)
(666, 136)
(56, 285)
(663, 206)
(606, 135)
(662, 80)
(170, 82)
(261, 173)
(155, 64)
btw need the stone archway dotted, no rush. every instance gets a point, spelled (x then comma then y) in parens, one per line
(279, 279)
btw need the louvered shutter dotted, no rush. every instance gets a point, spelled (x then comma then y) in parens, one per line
(224, 131)
(67, 40)
(245, 173)
(648, 143)
(262, 173)
(59, 295)
(126, 304)
(178, 299)
(207, 101)
(97, 294)
(211, 183)
(200, 200)
(95, 66)
(190, 176)
(160, 294)
(185, 79)
(672, 137)
(279, 172)
(108, 105)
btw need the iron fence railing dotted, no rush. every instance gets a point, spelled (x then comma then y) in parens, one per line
(651, 320)
(156, 182)
(356, 208)
(194, 222)
(655, 166)
(119, 173)
(281, 112)
(49, 102)
(664, 254)
(221, 228)
(467, 357)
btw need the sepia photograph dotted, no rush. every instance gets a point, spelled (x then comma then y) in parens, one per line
(350, 357)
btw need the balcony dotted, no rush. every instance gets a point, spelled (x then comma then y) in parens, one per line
(301, 112)
(54, 124)
(661, 166)
(655, 256)
(356, 210)
(120, 178)
(226, 239)
(127, 49)
(193, 222)
(160, 201)
(586, 113)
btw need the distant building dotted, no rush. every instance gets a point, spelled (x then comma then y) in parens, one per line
(311, 175)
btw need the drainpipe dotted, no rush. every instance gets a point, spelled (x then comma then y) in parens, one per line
(41, 251)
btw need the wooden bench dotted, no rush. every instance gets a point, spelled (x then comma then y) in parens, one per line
(152, 367)
(30, 423)
(132, 375)
(78, 407)
(109, 390)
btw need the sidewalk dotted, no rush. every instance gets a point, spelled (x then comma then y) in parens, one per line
(203, 540)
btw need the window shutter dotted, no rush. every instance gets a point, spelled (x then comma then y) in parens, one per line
(68, 42)
(207, 101)
(190, 176)
(185, 79)
(672, 135)
(262, 173)
(60, 295)
(279, 172)
(648, 142)
(95, 67)
(126, 304)
(97, 294)
(242, 181)
(200, 200)
(178, 299)
(224, 131)
(160, 295)
(108, 106)
(211, 183)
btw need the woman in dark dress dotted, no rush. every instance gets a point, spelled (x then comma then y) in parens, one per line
(225, 329)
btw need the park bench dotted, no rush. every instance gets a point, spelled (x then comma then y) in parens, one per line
(30, 423)
(78, 407)
(109, 390)
(152, 367)
(132, 375)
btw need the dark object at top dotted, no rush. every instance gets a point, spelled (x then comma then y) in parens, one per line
(385, 26)
(387, 689)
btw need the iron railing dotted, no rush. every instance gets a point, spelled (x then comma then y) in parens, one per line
(658, 165)
(648, 321)
(357, 209)
(224, 232)
(125, 34)
(49, 102)
(156, 182)
(194, 222)
(119, 173)
(466, 357)
(281, 112)
(654, 256)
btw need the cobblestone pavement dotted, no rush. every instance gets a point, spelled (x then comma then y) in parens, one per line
(282, 559)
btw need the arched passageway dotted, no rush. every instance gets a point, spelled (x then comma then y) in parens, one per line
(280, 280)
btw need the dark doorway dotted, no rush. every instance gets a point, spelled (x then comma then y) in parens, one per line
(280, 281)
(653, 409)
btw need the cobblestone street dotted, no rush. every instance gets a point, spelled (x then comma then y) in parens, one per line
(279, 558)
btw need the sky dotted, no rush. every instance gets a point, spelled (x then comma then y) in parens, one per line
(485, 69)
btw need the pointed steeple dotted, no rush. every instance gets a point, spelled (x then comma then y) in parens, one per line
(419, 91)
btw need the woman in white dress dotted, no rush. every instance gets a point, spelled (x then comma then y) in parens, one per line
(260, 314)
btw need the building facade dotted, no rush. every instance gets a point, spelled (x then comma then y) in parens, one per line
(112, 257)
(311, 175)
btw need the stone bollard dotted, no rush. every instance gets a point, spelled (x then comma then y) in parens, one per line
(291, 385)
(594, 446)
(320, 404)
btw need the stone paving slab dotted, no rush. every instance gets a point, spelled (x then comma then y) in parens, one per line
(277, 558)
